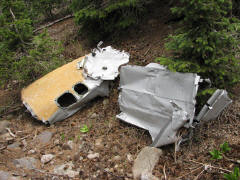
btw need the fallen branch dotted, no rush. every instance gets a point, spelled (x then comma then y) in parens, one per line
(210, 166)
(52, 23)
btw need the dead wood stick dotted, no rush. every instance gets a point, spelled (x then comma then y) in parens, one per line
(10, 132)
(191, 172)
(208, 165)
(52, 23)
(147, 51)
(199, 175)
(231, 160)
(164, 172)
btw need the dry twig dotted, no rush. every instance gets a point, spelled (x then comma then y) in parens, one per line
(210, 166)
(164, 172)
(52, 23)
(10, 132)
(190, 172)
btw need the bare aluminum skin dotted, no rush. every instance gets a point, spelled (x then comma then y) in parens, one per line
(215, 105)
(157, 100)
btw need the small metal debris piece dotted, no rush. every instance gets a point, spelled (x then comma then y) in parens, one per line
(215, 105)
(157, 100)
(64, 91)
(104, 64)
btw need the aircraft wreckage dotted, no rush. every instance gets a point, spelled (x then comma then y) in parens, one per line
(151, 97)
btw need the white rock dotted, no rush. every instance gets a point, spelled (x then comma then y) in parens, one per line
(25, 162)
(129, 157)
(45, 137)
(98, 143)
(148, 176)
(117, 158)
(145, 162)
(46, 158)
(62, 170)
(93, 156)
(32, 151)
(57, 142)
(70, 144)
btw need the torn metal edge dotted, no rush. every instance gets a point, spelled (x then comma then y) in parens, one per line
(215, 105)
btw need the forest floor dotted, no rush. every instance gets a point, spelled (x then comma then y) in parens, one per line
(115, 143)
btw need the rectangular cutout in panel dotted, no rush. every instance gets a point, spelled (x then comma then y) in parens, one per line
(80, 88)
(66, 99)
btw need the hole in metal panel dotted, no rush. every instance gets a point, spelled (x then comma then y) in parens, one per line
(81, 89)
(66, 100)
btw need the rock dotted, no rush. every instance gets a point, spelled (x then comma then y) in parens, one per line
(46, 158)
(93, 155)
(117, 158)
(26, 162)
(24, 143)
(129, 157)
(65, 169)
(68, 146)
(7, 176)
(93, 116)
(145, 162)
(14, 146)
(56, 142)
(32, 151)
(4, 175)
(3, 125)
(148, 176)
(45, 137)
(71, 144)
(98, 143)
(105, 102)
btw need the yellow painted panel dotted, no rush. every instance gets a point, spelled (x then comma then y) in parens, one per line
(41, 94)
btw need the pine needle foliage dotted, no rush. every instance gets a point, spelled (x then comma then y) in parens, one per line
(23, 55)
(206, 43)
(102, 18)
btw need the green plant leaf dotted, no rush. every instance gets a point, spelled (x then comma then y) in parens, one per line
(62, 136)
(235, 175)
(84, 129)
(216, 154)
(225, 147)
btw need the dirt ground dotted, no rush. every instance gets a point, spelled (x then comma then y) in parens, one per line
(111, 137)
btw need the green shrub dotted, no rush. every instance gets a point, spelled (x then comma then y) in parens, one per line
(206, 43)
(43, 57)
(100, 18)
(24, 57)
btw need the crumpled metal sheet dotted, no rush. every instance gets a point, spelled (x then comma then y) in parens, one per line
(215, 105)
(103, 63)
(157, 100)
